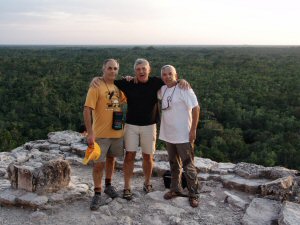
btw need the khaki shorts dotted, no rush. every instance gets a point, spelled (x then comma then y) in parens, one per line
(144, 136)
(110, 147)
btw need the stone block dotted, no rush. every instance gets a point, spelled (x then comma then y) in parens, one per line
(290, 214)
(25, 178)
(38, 177)
(279, 188)
(262, 211)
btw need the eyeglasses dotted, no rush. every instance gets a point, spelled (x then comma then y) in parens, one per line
(169, 99)
(112, 68)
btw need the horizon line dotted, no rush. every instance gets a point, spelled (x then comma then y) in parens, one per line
(145, 45)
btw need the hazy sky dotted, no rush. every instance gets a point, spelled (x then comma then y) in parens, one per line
(150, 22)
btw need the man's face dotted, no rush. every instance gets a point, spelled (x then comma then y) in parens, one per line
(142, 72)
(110, 70)
(169, 76)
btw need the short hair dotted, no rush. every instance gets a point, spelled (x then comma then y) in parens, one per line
(108, 60)
(167, 66)
(140, 61)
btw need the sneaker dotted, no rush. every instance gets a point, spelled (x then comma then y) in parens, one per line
(96, 202)
(127, 194)
(111, 191)
(173, 194)
(194, 201)
(147, 188)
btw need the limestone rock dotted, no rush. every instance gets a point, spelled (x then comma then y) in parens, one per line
(278, 172)
(235, 200)
(64, 137)
(290, 214)
(248, 170)
(280, 188)
(251, 186)
(47, 177)
(262, 211)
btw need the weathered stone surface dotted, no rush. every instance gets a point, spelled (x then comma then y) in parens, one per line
(156, 195)
(248, 170)
(42, 146)
(52, 176)
(223, 168)
(65, 148)
(35, 176)
(239, 183)
(25, 178)
(161, 156)
(54, 146)
(205, 165)
(290, 214)
(20, 154)
(79, 148)
(160, 168)
(281, 187)
(2, 172)
(32, 200)
(235, 200)
(4, 184)
(38, 217)
(262, 211)
(5, 159)
(167, 209)
(153, 220)
(9, 196)
(278, 172)
(64, 137)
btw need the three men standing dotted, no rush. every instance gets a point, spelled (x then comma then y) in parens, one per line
(140, 127)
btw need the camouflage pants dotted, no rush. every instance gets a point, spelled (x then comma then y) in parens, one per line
(181, 156)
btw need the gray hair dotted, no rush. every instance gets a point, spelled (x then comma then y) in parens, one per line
(108, 60)
(167, 66)
(140, 61)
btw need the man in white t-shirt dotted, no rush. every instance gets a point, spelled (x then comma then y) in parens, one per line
(180, 116)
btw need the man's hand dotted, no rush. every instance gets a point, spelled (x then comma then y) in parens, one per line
(130, 78)
(95, 83)
(183, 84)
(90, 139)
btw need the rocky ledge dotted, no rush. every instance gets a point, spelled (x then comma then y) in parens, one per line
(240, 193)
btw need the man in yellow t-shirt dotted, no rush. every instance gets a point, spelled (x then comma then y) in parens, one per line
(103, 120)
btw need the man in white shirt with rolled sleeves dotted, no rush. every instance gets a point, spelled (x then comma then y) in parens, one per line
(180, 116)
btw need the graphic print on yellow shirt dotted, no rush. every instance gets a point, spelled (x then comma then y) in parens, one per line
(112, 98)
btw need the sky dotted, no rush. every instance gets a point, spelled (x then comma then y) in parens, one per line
(150, 22)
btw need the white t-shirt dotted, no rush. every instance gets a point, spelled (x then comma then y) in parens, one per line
(176, 120)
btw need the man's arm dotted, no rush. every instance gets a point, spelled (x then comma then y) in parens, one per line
(183, 84)
(195, 120)
(95, 83)
(87, 116)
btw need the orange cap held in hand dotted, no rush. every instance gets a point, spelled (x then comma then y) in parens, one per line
(92, 153)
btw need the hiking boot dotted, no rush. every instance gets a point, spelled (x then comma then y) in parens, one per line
(96, 202)
(127, 194)
(111, 191)
(194, 201)
(173, 194)
(147, 188)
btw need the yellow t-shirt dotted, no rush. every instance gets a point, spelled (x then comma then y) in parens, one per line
(104, 100)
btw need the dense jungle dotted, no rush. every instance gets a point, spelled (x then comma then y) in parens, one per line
(249, 95)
